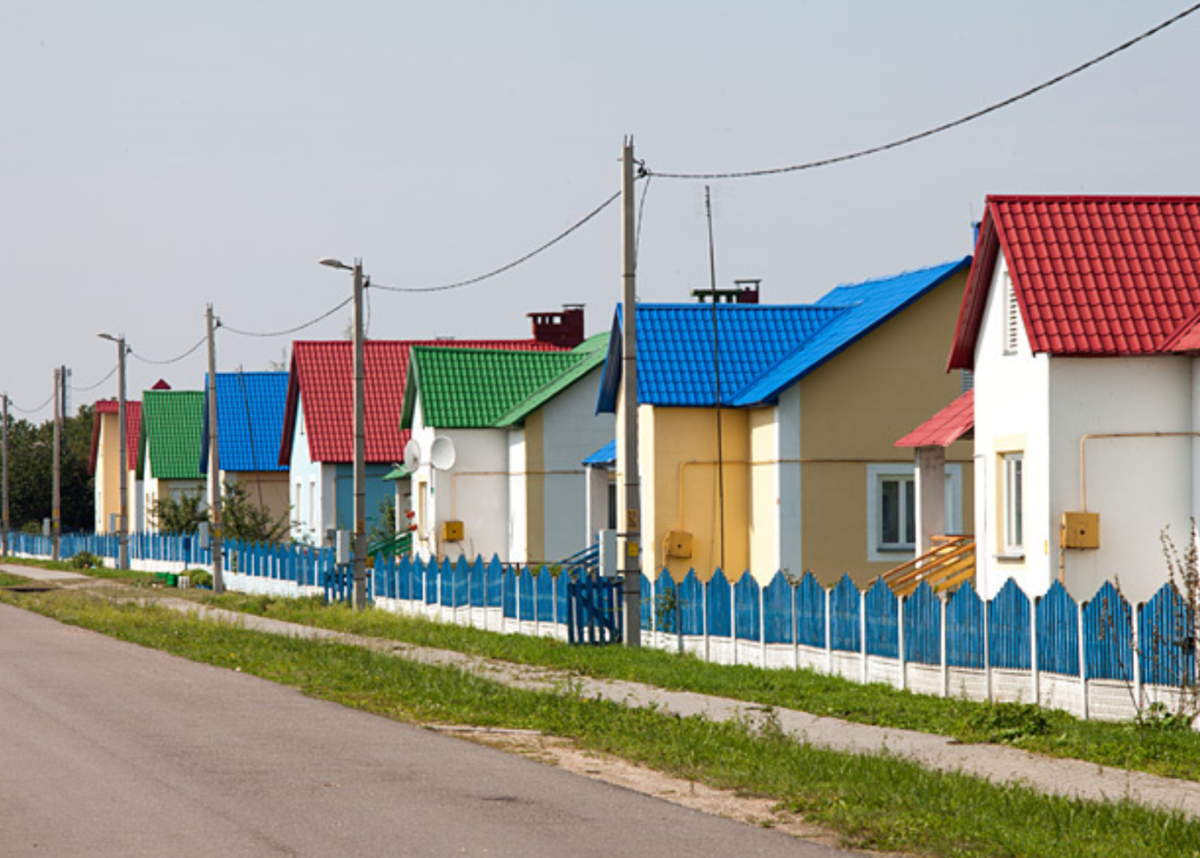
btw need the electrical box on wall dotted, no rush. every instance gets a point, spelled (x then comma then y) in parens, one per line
(452, 531)
(1081, 530)
(677, 543)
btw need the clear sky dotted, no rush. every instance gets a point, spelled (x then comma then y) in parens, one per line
(158, 156)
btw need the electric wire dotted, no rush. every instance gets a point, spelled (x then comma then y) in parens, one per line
(912, 138)
(511, 265)
(33, 410)
(175, 359)
(637, 237)
(116, 366)
(286, 331)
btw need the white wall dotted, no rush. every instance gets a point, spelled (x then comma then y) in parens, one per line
(1137, 485)
(313, 504)
(572, 431)
(518, 526)
(1011, 411)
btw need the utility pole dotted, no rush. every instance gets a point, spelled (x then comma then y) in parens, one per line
(359, 540)
(122, 460)
(214, 460)
(5, 525)
(360, 447)
(56, 480)
(627, 455)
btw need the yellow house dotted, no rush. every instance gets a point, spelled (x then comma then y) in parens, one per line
(104, 463)
(812, 398)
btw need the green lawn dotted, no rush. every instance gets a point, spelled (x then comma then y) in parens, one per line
(877, 802)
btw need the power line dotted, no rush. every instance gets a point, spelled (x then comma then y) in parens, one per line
(447, 286)
(912, 138)
(34, 410)
(171, 360)
(287, 331)
(98, 383)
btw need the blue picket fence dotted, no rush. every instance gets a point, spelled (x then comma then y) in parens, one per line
(1102, 638)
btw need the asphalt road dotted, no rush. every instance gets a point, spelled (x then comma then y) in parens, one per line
(108, 749)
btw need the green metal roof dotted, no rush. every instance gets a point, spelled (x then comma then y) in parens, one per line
(172, 424)
(480, 388)
(593, 351)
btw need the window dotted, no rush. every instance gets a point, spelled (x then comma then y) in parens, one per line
(897, 513)
(1014, 503)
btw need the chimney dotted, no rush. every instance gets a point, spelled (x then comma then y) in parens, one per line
(563, 329)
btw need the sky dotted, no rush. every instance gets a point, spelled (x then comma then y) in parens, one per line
(158, 157)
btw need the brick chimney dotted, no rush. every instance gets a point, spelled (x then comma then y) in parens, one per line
(563, 328)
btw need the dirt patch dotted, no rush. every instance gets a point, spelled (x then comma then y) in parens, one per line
(561, 752)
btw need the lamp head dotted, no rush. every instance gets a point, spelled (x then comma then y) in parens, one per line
(334, 263)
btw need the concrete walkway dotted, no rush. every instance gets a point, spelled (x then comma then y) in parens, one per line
(996, 763)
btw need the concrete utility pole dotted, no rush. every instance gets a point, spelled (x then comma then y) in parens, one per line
(627, 463)
(122, 454)
(214, 460)
(360, 447)
(360, 434)
(56, 479)
(5, 525)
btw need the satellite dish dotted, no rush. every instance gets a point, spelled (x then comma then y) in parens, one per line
(442, 454)
(412, 455)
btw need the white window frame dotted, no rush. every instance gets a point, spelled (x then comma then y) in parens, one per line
(876, 476)
(1012, 527)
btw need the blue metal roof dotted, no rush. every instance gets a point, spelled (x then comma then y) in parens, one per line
(250, 408)
(606, 455)
(675, 349)
(867, 305)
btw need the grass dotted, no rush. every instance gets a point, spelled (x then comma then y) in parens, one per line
(1153, 747)
(139, 578)
(878, 802)
(7, 580)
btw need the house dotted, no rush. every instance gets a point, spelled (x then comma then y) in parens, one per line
(812, 397)
(1081, 323)
(250, 407)
(318, 429)
(169, 441)
(104, 464)
(500, 437)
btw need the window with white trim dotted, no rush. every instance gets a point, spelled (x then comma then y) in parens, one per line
(1014, 503)
(897, 513)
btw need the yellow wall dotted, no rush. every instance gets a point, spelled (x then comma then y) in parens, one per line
(681, 443)
(854, 407)
(108, 472)
(269, 488)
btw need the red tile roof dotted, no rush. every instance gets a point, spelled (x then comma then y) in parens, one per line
(322, 376)
(947, 426)
(133, 424)
(1093, 276)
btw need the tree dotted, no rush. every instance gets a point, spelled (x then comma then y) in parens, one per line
(180, 514)
(245, 520)
(30, 458)
(385, 523)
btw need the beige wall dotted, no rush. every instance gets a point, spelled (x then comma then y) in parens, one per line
(269, 488)
(763, 515)
(108, 471)
(681, 444)
(854, 408)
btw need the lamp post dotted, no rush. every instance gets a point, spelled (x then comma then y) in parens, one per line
(360, 445)
(122, 462)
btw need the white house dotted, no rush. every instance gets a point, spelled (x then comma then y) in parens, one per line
(1081, 322)
(501, 438)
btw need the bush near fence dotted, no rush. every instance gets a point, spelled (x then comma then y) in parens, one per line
(1101, 658)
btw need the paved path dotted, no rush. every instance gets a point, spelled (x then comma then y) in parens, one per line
(112, 750)
(993, 762)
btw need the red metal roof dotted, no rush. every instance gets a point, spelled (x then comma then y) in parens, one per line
(1093, 276)
(133, 425)
(947, 426)
(322, 376)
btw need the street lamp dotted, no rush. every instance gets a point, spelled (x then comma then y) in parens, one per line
(122, 464)
(360, 444)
